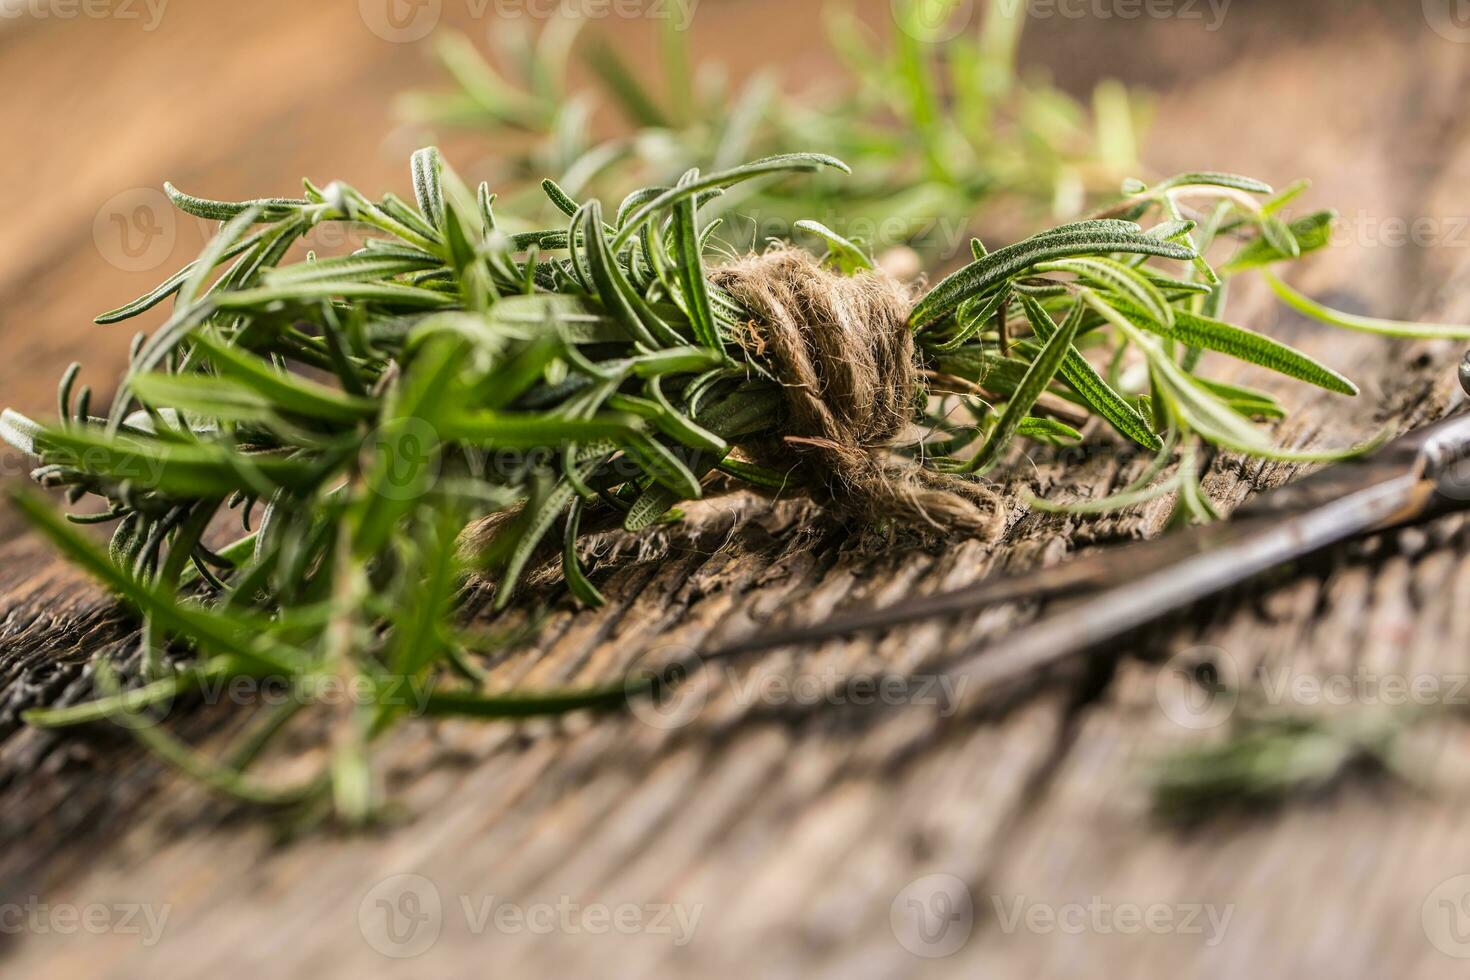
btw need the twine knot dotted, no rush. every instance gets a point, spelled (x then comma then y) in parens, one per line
(842, 348)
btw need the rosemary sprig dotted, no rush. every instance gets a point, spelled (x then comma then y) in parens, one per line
(357, 413)
(1272, 756)
(1273, 759)
(936, 128)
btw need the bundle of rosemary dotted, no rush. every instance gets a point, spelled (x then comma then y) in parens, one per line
(359, 412)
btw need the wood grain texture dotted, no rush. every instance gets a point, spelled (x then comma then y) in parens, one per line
(789, 828)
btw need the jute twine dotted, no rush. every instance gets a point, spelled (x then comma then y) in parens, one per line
(842, 348)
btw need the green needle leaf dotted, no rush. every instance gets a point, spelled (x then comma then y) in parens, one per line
(845, 255)
(1245, 345)
(266, 209)
(1038, 376)
(1090, 386)
(993, 270)
(783, 163)
(1406, 329)
(689, 265)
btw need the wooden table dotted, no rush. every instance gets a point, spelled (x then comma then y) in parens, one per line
(779, 837)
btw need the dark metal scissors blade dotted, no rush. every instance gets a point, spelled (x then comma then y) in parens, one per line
(1413, 478)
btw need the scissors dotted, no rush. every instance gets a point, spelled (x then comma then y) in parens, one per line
(1102, 596)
